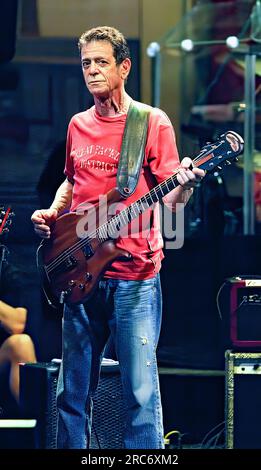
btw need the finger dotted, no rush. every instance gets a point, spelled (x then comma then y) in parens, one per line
(42, 227)
(198, 172)
(42, 233)
(186, 162)
(183, 179)
(37, 217)
(186, 175)
(52, 214)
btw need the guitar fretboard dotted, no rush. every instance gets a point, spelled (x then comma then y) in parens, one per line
(118, 221)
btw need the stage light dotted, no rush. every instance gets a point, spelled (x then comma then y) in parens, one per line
(153, 49)
(187, 45)
(232, 42)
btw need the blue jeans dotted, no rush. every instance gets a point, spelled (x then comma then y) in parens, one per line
(131, 312)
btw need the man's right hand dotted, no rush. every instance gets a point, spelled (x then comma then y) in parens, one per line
(42, 220)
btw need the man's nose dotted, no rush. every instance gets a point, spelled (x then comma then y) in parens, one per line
(93, 68)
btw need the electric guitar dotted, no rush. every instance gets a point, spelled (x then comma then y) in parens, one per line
(73, 259)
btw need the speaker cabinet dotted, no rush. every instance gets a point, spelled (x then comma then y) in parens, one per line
(109, 410)
(38, 384)
(242, 400)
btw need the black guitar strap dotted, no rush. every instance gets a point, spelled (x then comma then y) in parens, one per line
(132, 148)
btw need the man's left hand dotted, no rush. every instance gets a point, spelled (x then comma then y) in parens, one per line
(189, 176)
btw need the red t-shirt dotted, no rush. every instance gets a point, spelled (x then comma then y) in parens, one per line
(93, 151)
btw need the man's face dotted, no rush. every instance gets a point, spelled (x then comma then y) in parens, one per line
(101, 73)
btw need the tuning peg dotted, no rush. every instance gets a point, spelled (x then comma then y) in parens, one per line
(228, 162)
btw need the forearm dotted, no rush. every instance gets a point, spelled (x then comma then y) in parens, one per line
(12, 319)
(179, 195)
(63, 197)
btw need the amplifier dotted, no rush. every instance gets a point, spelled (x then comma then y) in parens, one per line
(245, 312)
(38, 384)
(242, 400)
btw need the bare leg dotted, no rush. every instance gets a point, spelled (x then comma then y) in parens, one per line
(15, 349)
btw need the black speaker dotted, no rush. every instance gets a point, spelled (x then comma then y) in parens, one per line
(38, 383)
(8, 29)
(109, 409)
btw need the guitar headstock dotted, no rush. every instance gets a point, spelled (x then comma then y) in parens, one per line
(6, 216)
(223, 151)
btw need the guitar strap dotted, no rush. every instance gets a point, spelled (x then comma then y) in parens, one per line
(132, 148)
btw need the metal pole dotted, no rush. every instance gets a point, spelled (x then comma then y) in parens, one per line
(249, 137)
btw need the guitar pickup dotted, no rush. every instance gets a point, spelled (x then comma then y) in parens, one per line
(66, 265)
(88, 251)
(70, 262)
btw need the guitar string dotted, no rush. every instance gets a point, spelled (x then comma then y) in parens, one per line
(157, 189)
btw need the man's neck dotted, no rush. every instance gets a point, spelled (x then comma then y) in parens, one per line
(111, 106)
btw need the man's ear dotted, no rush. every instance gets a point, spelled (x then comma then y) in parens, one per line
(125, 68)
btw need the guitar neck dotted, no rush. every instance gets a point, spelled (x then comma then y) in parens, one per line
(120, 220)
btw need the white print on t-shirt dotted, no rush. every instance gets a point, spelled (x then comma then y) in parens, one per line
(97, 165)
(91, 150)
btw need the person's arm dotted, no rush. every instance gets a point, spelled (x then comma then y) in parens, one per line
(63, 197)
(12, 319)
(43, 218)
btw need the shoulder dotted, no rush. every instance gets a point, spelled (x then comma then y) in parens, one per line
(81, 117)
(157, 115)
(160, 117)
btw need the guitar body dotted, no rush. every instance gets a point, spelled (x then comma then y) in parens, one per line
(70, 265)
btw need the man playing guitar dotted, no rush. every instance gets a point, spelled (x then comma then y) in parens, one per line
(127, 300)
